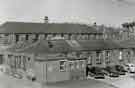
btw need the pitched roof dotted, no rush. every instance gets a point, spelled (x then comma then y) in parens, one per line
(112, 44)
(59, 46)
(127, 43)
(45, 53)
(27, 27)
(99, 44)
(45, 47)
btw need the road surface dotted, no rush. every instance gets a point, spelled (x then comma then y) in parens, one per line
(10, 82)
(91, 83)
(127, 81)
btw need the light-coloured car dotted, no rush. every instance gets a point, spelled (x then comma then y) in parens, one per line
(17, 75)
(4, 68)
(130, 67)
(30, 75)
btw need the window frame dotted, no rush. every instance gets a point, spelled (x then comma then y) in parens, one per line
(62, 67)
(98, 57)
(71, 65)
(107, 57)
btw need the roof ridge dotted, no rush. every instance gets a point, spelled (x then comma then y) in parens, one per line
(44, 23)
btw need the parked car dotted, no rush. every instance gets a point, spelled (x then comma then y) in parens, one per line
(17, 75)
(120, 69)
(30, 75)
(4, 69)
(96, 72)
(111, 72)
(130, 67)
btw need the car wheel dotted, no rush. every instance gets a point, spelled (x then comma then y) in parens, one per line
(33, 78)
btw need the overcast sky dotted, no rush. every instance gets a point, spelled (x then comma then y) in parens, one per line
(109, 12)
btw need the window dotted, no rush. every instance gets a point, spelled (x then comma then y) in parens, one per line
(82, 63)
(98, 59)
(50, 44)
(107, 56)
(41, 36)
(76, 64)
(36, 36)
(22, 37)
(120, 55)
(94, 36)
(65, 36)
(105, 36)
(62, 65)
(9, 59)
(97, 36)
(31, 36)
(90, 60)
(54, 35)
(62, 35)
(24, 63)
(27, 37)
(17, 62)
(91, 36)
(73, 37)
(17, 38)
(71, 65)
(28, 58)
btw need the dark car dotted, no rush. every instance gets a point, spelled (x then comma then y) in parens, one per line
(96, 72)
(121, 73)
(120, 69)
(111, 72)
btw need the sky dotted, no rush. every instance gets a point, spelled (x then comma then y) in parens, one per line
(107, 12)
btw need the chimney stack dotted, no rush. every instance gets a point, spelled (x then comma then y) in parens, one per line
(46, 20)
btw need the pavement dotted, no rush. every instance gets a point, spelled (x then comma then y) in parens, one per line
(11, 82)
(126, 81)
(90, 83)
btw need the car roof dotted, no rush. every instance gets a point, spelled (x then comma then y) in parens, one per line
(129, 64)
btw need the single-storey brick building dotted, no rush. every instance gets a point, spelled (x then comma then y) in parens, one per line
(61, 60)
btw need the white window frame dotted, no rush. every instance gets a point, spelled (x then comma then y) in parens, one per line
(120, 55)
(63, 65)
(71, 63)
(82, 63)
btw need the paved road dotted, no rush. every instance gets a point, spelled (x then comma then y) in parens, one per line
(125, 81)
(10, 82)
(81, 84)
